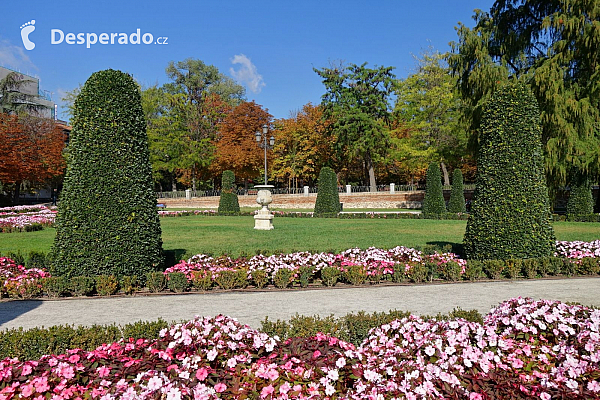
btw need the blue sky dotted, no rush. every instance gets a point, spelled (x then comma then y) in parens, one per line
(268, 46)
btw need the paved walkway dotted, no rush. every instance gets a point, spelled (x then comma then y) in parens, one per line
(252, 307)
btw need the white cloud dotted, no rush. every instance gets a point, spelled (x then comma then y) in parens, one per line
(247, 73)
(14, 57)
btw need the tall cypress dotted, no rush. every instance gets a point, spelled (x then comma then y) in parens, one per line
(107, 220)
(581, 200)
(434, 202)
(328, 196)
(510, 216)
(457, 196)
(228, 202)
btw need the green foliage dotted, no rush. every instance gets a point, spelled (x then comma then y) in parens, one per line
(107, 285)
(355, 274)
(418, 273)
(328, 197)
(283, 277)
(241, 277)
(82, 285)
(493, 268)
(107, 221)
(201, 280)
(330, 276)
(33, 343)
(531, 266)
(457, 196)
(36, 259)
(473, 270)
(512, 268)
(130, 284)
(177, 282)
(581, 201)
(434, 203)
(228, 202)
(156, 281)
(510, 215)
(451, 271)
(55, 286)
(304, 275)
(226, 279)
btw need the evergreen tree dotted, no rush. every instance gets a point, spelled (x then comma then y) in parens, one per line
(107, 221)
(228, 202)
(581, 201)
(328, 197)
(434, 202)
(510, 217)
(457, 196)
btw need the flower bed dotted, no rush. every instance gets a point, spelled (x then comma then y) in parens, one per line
(25, 218)
(525, 349)
(19, 282)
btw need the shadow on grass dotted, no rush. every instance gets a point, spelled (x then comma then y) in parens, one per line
(12, 309)
(457, 248)
(173, 256)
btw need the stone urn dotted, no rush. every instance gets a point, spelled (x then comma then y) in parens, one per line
(263, 220)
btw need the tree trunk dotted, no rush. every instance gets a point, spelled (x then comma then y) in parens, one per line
(17, 192)
(371, 174)
(194, 179)
(173, 184)
(445, 172)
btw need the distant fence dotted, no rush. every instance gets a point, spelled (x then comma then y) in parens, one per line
(303, 190)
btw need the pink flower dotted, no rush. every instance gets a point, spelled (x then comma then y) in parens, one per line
(26, 390)
(266, 391)
(220, 387)
(103, 371)
(201, 374)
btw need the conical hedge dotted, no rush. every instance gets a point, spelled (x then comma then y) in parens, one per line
(107, 219)
(434, 202)
(510, 216)
(457, 196)
(328, 197)
(228, 202)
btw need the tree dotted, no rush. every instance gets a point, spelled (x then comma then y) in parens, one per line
(434, 202)
(581, 200)
(429, 105)
(204, 95)
(228, 202)
(107, 221)
(553, 46)
(69, 100)
(510, 216)
(357, 103)
(32, 150)
(237, 149)
(14, 98)
(301, 146)
(457, 196)
(328, 197)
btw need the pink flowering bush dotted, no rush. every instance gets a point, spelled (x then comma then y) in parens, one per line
(19, 282)
(578, 250)
(525, 349)
(18, 218)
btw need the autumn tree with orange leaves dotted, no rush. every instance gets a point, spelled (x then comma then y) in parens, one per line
(302, 147)
(32, 150)
(236, 145)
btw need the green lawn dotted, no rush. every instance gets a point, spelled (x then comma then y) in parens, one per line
(235, 235)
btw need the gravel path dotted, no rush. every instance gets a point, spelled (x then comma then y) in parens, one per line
(252, 307)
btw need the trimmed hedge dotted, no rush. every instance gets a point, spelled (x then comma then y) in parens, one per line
(457, 196)
(228, 201)
(581, 200)
(107, 222)
(434, 202)
(328, 197)
(510, 216)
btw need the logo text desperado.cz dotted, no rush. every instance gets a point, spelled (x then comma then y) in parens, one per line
(57, 36)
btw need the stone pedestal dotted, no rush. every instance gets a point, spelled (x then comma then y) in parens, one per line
(263, 220)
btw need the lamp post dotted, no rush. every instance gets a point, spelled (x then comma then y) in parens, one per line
(264, 144)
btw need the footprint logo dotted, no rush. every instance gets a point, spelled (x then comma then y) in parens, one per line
(26, 29)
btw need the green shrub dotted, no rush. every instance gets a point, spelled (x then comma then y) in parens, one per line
(544, 266)
(283, 277)
(260, 279)
(589, 266)
(242, 280)
(418, 273)
(130, 284)
(328, 197)
(107, 220)
(355, 274)
(202, 280)
(531, 266)
(24, 290)
(451, 271)
(304, 275)
(512, 268)
(474, 270)
(457, 195)
(17, 257)
(34, 227)
(399, 275)
(228, 202)
(55, 286)
(227, 279)
(434, 202)
(330, 276)
(510, 215)
(107, 285)
(156, 282)
(581, 201)
(569, 268)
(556, 265)
(493, 268)
(82, 285)
(177, 282)
(36, 259)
